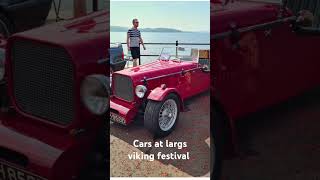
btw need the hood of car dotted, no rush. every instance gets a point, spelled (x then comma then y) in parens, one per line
(157, 68)
(74, 31)
(85, 39)
(242, 14)
(94, 23)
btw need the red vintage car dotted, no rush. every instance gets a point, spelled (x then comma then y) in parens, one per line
(158, 89)
(57, 81)
(262, 55)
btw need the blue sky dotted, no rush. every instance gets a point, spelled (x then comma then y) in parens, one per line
(182, 15)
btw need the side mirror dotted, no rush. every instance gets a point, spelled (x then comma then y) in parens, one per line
(205, 69)
(205, 65)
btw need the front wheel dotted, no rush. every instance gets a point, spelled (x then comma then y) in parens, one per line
(160, 118)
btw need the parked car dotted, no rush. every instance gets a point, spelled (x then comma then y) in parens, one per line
(117, 61)
(262, 55)
(57, 81)
(157, 90)
(20, 15)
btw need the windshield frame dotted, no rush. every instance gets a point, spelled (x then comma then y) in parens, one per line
(116, 45)
(196, 59)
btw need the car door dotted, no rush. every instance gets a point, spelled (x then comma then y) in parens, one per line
(290, 64)
(201, 80)
(237, 83)
(203, 71)
(238, 58)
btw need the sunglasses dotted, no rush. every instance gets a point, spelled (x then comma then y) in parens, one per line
(136, 22)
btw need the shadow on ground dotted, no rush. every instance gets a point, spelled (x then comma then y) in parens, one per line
(193, 128)
(280, 143)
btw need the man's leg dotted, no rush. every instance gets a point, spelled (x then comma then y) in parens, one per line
(135, 56)
(135, 62)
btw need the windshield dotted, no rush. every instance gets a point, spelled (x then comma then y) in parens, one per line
(179, 54)
(115, 45)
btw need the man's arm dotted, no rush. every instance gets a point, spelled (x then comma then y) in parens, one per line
(128, 41)
(141, 41)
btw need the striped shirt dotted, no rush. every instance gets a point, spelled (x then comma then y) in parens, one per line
(134, 35)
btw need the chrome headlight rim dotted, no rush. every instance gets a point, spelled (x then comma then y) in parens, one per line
(140, 91)
(95, 93)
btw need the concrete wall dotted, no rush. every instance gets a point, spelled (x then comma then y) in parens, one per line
(67, 6)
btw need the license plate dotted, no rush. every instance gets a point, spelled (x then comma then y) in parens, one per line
(116, 118)
(8, 172)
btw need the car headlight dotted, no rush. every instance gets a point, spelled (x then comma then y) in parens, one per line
(2, 63)
(95, 93)
(141, 90)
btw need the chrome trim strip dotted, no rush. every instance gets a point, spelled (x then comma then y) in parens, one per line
(262, 26)
(172, 74)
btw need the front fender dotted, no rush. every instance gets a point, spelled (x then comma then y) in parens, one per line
(158, 94)
(72, 161)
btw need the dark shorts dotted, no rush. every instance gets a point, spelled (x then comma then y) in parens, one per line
(135, 52)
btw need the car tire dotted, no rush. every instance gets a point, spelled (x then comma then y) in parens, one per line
(217, 143)
(155, 109)
(6, 27)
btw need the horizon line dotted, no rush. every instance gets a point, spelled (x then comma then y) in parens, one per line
(119, 26)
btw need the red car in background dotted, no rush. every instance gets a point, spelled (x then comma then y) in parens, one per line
(262, 54)
(57, 82)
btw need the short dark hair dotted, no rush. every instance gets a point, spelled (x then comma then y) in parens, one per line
(134, 20)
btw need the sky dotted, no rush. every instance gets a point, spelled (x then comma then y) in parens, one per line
(182, 15)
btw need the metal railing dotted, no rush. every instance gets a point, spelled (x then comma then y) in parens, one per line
(177, 43)
(58, 3)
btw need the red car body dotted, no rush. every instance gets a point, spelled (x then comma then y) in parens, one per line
(259, 58)
(161, 78)
(42, 146)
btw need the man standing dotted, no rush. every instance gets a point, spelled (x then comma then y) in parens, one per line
(133, 41)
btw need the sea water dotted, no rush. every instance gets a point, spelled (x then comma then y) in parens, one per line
(163, 37)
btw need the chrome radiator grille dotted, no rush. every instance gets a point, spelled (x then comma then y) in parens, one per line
(123, 87)
(43, 81)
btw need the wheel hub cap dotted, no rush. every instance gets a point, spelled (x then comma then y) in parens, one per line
(168, 114)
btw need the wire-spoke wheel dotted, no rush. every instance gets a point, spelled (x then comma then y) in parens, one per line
(161, 117)
(168, 114)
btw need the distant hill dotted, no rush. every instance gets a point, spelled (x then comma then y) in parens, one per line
(160, 30)
(118, 29)
(124, 29)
